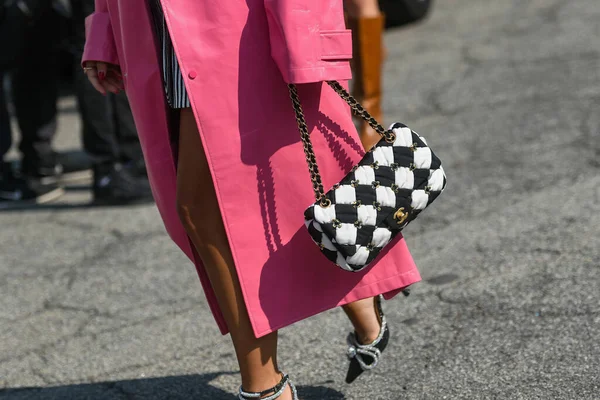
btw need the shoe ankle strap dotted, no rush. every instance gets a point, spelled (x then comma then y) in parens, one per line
(272, 393)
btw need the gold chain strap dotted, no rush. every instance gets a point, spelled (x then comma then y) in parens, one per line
(311, 160)
(388, 135)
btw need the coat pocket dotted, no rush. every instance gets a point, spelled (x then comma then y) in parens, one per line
(309, 40)
(336, 45)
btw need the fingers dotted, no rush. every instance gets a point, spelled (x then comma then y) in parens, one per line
(113, 83)
(92, 75)
(115, 69)
(104, 77)
(114, 79)
(102, 70)
(112, 86)
(108, 83)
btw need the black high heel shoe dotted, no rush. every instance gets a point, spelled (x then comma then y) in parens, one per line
(272, 393)
(365, 357)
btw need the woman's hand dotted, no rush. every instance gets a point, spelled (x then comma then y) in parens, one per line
(104, 77)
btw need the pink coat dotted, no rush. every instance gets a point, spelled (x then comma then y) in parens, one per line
(236, 57)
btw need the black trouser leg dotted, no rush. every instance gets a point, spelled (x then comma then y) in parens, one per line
(129, 143)
(5, 133)
(109, 133)
(99, 140)
(35, 92)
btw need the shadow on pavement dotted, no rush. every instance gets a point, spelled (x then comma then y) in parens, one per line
(184, 387)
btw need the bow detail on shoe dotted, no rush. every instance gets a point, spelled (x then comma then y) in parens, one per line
(358, 351)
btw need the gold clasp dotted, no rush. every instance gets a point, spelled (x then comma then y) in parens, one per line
(401, 216)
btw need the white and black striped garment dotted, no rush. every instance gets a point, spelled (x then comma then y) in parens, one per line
(173, 80)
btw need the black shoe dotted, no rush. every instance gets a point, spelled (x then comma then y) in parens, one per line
(365, 357)
(19, 192)
(48, 170)
(59, 168)
(115, 184)
(76, 167)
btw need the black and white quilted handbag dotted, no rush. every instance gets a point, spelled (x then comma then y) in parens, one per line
(396, 180)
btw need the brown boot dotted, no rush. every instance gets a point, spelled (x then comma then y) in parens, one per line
(367, 62)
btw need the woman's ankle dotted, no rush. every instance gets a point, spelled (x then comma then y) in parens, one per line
(368, 336)
(256, 385)
(272, 384)
(365, 319)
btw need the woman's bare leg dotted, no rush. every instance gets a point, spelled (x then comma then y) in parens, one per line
(364, 318)
(201, 217)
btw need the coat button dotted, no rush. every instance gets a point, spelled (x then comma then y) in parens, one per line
(192, 74)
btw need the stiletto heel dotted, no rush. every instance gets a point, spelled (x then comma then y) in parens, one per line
(365, 357)
(272, 393)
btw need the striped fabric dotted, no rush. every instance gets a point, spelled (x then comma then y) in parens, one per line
(175, 91)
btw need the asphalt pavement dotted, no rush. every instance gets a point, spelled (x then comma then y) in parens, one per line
(97, 303)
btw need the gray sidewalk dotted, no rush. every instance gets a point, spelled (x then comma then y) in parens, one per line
(97, 303)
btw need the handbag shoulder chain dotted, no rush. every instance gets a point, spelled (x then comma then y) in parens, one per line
(309, 153)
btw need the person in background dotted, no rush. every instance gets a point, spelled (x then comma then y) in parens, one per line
(109, 134)
(368, 19)
(367, 23)
(31, 26)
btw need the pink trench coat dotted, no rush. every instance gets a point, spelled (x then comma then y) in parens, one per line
(236, 57)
